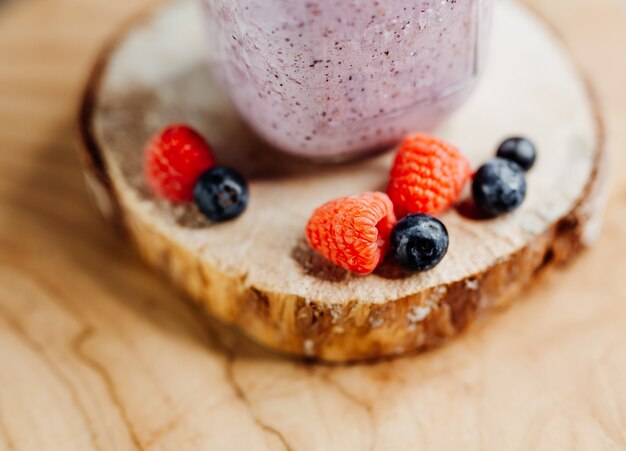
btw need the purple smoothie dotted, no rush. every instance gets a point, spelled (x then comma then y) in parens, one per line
(338, 78)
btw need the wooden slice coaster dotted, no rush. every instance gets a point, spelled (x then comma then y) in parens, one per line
(259, 274)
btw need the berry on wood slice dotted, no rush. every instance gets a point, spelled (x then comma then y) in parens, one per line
(173, 160)
(419, 242)
(499, 187)
(221, 194)
(353, 232)
(518, 150)
(428, 176)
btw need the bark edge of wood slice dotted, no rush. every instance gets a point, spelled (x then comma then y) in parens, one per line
(258, 274)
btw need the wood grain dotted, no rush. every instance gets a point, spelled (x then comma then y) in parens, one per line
(98, 353)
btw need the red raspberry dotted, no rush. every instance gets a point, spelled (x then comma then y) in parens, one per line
(353, 232)
(174, 159)
(428, 176)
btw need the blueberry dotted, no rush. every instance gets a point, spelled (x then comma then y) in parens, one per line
(221, 194)
(519, 150)
(419, 242)
(499, 187)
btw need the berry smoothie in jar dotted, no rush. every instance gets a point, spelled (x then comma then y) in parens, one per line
(334, 79)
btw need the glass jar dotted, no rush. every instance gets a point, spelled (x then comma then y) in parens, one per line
(339, 78)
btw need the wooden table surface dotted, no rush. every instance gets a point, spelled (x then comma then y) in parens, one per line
(97, 353)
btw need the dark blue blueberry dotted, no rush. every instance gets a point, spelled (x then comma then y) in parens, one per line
(419, 242)
(221, 194)
(519, 150)
(499, 187)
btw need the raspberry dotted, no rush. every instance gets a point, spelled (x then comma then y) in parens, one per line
(428, 176)
(353, 232)
(174, 159)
